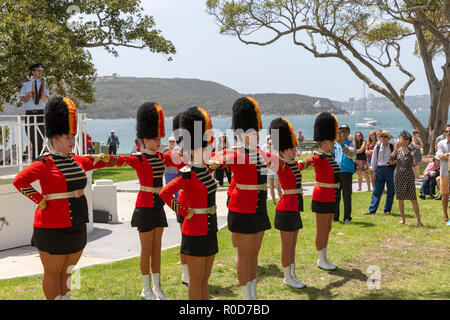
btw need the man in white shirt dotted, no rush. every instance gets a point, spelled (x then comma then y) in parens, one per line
(34, 95)
(443, 152)
(383, 168)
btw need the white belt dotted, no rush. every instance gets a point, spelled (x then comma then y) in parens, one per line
(209, 210)
(150, 189)
(329, 185)
(260, 187)
(64, 195)
(293, 191)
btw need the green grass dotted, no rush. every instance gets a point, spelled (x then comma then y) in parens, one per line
(413, 262)
(117, 174)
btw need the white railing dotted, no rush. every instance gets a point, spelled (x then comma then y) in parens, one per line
(16, 146)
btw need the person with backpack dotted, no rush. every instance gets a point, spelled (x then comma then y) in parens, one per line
(383, 166)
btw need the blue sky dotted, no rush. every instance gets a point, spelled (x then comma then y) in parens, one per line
(203, 53)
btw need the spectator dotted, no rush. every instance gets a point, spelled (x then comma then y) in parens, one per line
(405, 187)
(417, 145)
(439, 139)
(382, 167)
(370, 145)
(222, 144)
(361, 159)
(34, 95)
(344, 153)
(137, 146)
(443, 152)
(272, 177)
(89, 146)
(113, 143)
(429, 182)
(300, 137)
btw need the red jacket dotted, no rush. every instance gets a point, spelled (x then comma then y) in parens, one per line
(327, 171)
(57, 174)
(289, 174)
(199, 191)
(247, 167)
(150, 171)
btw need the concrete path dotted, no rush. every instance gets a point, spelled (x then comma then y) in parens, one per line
(113, 242)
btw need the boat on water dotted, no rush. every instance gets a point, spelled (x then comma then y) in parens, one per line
(369, 123)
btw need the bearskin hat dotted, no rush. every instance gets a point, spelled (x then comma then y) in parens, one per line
(175, 127)
(187, 122)
(246, 114)
(150, 121)
(60, 117)
(326, 127)
(285, 137)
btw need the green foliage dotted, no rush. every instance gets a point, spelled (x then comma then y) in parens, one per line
(6, 129)
(386, 31)
(34, 31)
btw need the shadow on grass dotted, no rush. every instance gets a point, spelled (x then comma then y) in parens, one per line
(218, 291)
(386, 294)
(347, 275)
(361, 223)
(270, 270)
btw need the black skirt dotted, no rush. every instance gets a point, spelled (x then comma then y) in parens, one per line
(247, 222)
(199, 246)
(146, 219)
(288, 221)
(60, 241)
(324, 207)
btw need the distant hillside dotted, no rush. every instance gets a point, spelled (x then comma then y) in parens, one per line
(119, 97)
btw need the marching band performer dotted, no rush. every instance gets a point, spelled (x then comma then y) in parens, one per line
(247, 211)
(180, 218)
(149, 216)
(59, 231)
(198, 207)
(287, 213)
(324, 198)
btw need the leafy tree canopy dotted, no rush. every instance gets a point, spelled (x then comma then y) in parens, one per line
(57, 34)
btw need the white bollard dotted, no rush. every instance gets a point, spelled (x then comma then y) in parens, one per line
(104, 197)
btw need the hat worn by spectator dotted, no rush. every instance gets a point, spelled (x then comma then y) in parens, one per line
(344, 126)
(326, 127)
(171, 139)
(36, 66)
(188, 121)
(286, 134)
(150, 121)
(386, 133)
(60, 117)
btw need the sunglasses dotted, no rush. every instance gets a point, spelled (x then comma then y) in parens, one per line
(384, 136)
(447, 131)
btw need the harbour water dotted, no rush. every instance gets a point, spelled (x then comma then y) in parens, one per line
(125, 129)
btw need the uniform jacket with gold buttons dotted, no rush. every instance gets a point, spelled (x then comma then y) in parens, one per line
(58, 174)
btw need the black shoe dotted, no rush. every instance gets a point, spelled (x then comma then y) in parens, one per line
(431, 197)
(422, 196)
(438, 198)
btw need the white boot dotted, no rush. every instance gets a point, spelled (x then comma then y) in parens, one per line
(57, 298)
(322, 262)
(66, 296)
(332, 264)
(147, 292)
(253, 288)
(156, 279)
(247, 291)
(288, 278)
(185, 274)
(294, 277)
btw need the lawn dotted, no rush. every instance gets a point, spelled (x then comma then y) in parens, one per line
(412, 262)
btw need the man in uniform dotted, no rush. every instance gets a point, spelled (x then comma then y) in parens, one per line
(34, 95)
